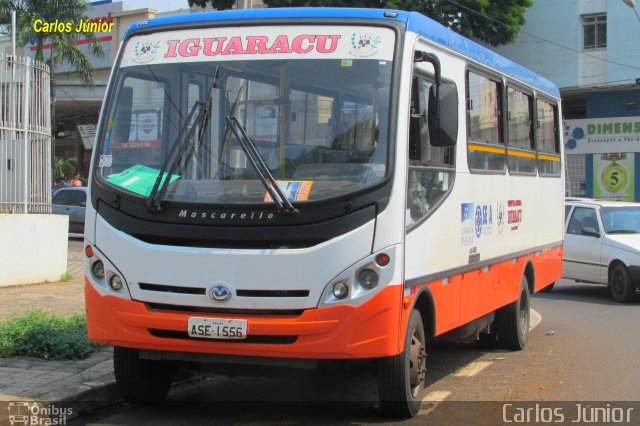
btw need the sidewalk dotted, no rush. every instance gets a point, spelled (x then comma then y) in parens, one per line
(89, 381)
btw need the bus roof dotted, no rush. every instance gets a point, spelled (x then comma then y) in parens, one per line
(414, 21)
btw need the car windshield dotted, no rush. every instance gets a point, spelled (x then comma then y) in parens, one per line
(314, 100)
(621, 220)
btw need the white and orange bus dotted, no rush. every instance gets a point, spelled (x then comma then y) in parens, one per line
(293, 185)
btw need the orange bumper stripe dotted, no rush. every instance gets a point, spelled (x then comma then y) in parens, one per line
(366, 331)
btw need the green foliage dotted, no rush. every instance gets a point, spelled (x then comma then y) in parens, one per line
(456, 15)
(45, 335)
(28, 11)
(216, 4)
(64, 168)
(66, 277)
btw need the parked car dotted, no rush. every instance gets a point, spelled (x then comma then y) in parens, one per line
(71, 201)
(602, 245)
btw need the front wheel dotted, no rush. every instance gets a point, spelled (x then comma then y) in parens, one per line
(622, 288)
(513, 320)
(141, 380)
(401, 378)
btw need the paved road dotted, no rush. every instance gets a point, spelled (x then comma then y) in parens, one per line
(585, 349)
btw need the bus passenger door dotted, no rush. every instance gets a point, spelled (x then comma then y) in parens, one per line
(431, 172)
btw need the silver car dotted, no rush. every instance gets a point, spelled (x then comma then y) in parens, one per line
(71, 201)
(602, 245)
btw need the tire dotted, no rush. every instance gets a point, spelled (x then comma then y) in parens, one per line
(621, 284)
(513, 320)
(548, 288)
(141, 380)
(401, 378)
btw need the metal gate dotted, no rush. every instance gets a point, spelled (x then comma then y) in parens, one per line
(25, 136)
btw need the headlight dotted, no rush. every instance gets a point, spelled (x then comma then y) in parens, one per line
(340, 290)
(362, 280)
(116, 283)
(368, 278)
(97, 269)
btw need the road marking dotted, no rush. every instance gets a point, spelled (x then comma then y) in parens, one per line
(534, 319)
(436, 396)
(472, 369)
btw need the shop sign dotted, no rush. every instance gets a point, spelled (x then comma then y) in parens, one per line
(602, 135)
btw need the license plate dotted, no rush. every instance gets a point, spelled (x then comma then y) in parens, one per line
(217, 328)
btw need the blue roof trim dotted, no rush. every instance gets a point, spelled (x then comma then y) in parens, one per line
(273, 13)
(414, 21)
(432, 30)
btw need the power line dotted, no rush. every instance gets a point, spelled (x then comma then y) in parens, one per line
(541, 38)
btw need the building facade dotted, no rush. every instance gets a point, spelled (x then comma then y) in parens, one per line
(591, 49)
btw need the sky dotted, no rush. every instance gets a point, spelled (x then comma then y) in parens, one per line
(159, 5)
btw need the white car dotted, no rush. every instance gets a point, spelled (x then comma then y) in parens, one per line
(602, 245)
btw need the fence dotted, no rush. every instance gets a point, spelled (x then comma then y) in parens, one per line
(25, 136)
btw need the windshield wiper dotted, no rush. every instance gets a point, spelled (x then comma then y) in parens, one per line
(261, 168)
(154, 200)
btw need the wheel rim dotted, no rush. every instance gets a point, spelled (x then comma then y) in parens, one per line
(417, 362)
(524, 313)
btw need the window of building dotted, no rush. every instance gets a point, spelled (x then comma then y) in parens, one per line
(486, 149)
(522, 158)
(594, 28)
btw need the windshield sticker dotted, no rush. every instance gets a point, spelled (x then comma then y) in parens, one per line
(145, 51)
(365, 44)
(105, 161)
(293, 42)
(294, 190)
(138, 179)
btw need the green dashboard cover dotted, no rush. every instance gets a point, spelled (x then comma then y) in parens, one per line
(138, 179)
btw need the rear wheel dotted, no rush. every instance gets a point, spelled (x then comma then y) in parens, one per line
(622, 288)
(513, 320)
(141, 380)
(401, 378)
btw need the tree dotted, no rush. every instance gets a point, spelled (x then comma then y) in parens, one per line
(64, 47)
(481, 19)
(216, 4)
(64, 169)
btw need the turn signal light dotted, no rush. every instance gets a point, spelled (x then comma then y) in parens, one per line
(88, 251)
(383, 259)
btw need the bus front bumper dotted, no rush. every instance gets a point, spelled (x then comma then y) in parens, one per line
(369, 330)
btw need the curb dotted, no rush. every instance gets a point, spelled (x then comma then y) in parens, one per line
(84, 397)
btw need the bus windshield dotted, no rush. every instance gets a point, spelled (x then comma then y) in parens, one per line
(314, 102)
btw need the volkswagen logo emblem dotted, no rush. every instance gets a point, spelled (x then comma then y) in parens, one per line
(220, 293)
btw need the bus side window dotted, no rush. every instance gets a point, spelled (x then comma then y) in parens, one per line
(431, 169)
(485, 147)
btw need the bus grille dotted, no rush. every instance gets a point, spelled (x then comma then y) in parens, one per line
(222, 311)
(183, 335)
(240, 293)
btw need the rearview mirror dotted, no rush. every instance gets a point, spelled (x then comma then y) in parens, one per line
(590, 232)
(444, 129)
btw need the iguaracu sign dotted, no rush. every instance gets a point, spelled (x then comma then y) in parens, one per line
(260, 43)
